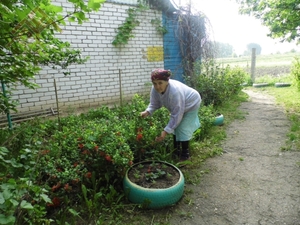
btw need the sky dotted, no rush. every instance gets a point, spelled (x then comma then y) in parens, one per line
(237, 30)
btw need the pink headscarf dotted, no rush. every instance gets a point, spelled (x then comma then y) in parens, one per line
(160, 74)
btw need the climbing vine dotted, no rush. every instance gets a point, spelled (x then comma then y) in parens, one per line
(130, 23)
(158, 26)
(192, 31)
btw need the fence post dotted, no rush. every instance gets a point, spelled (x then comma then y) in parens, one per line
(57, 105)
(253, 59)
(120, 87)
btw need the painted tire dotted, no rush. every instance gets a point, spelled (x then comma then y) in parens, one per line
(154, 198)
(260, 85)
(282, 84)
(219, 120)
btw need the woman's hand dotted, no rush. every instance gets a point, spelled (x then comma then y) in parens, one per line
(161, 137)
(145, 114)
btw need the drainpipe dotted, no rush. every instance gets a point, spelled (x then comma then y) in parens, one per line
(7, 109)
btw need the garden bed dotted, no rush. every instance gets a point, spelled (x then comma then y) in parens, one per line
(153, 175)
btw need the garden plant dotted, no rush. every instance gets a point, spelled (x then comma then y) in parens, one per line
(67, 170)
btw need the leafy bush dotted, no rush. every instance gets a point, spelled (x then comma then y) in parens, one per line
(21, 200)
(73, 168)
(207, 117)
(79, 160)
(215, 84)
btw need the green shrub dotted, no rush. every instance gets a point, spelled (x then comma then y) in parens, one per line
(216, 84)
(207, 117)
(79, 160)
(58, 170)
(21, 200)
(295, 71)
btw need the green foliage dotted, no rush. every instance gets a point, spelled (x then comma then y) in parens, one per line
(207, 116)
(130, 23)
(73, 173)
(295, 72)
(158, 26)
(281, 17)
(19, 195)
(82, 163)
(215, 84)
(28, 42)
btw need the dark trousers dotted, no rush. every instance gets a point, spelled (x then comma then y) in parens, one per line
(181, 148)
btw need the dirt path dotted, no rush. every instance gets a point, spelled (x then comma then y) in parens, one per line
(253, 182)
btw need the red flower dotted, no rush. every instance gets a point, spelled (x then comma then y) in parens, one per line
(130, 163)
(67, 187)
(55, 202)
(75, 181)
(86, 152)
(45, 152)
(96, 148)
(80, 145)
(108, 158)
(75, 164)
(88, 175)
(139, 137)
(55, 187)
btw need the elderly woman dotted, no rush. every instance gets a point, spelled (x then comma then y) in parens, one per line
(183, 103)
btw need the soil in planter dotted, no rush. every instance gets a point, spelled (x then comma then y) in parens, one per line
(158, 175)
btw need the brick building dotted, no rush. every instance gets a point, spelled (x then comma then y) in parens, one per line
(110, 72)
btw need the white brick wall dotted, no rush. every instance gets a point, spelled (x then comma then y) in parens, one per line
(97, 81)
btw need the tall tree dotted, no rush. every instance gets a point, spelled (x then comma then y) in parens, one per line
(28, 42)
(282, 17)
(224, 49)
(253, 45)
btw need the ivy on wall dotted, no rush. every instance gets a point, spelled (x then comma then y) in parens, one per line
(158, 26)
(131, 22)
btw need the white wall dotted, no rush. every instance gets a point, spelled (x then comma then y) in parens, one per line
(97, 81)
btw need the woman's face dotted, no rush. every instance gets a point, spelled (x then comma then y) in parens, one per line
(160, 85)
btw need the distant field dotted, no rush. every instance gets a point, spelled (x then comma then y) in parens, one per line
(261, 60)
(274, 65)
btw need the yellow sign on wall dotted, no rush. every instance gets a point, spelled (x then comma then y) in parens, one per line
(155, 54)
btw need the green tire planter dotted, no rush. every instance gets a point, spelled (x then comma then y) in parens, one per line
(219, 120)
(258, 85)
(153, 198)
(282, 84)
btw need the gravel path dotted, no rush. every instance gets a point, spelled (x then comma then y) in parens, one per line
(253, 182)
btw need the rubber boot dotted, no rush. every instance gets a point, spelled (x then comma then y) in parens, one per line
(185, 154)
(176, 145)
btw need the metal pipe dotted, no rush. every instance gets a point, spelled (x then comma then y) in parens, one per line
(57, 105)
(120, 86)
